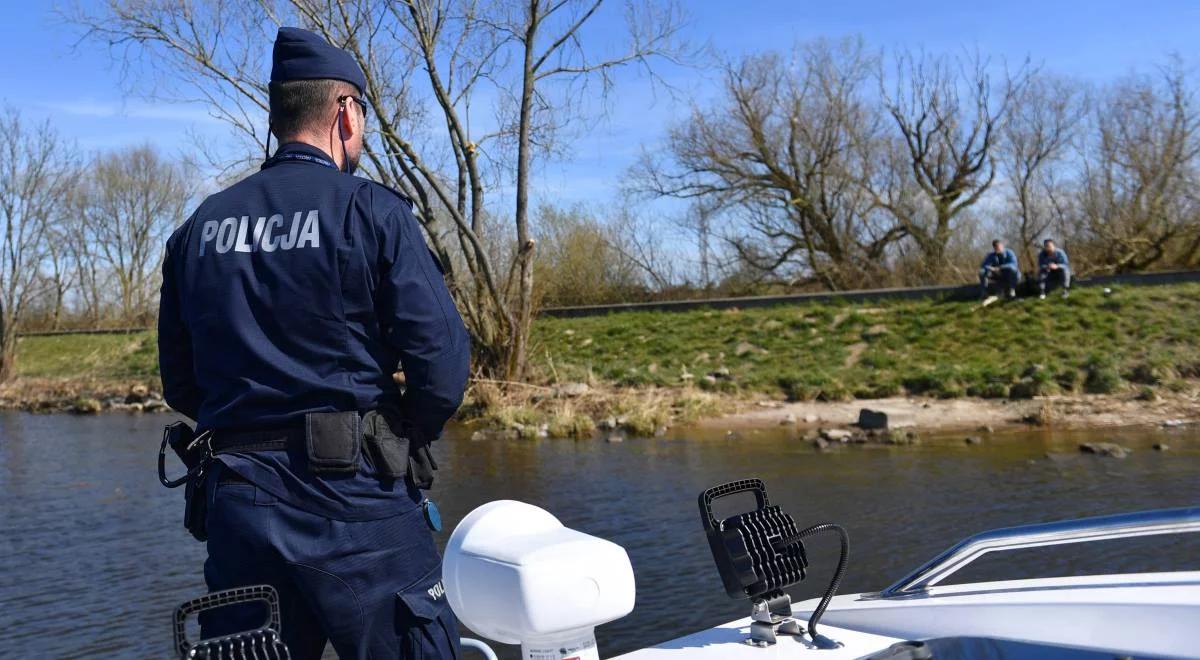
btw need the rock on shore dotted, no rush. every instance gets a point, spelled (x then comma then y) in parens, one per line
(979, 416)
(1110, 449)
(827, 437)
(882, 420)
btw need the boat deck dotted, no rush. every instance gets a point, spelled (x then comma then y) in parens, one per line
(1139, 614)
(727, 642)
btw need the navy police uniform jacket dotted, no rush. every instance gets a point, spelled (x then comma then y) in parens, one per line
(301, 289)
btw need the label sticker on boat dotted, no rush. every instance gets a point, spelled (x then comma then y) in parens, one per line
(580, 650)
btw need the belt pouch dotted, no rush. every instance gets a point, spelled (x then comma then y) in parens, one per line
(195, 506)
(332, 441)
(388, 450)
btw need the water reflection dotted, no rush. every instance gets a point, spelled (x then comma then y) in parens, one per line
(93, 557)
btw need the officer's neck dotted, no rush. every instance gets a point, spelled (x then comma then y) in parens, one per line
(327, 150)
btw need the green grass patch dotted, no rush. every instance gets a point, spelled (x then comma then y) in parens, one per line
(104, 357)
(835, 351)
(1135, 338)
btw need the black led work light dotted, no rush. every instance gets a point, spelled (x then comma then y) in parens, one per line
(760, 553)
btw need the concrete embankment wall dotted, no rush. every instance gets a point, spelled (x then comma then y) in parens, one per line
(951, 292)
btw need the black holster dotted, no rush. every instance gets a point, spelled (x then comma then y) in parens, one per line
(195, 507)
(195, 454)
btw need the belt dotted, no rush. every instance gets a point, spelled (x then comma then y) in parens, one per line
(267, 439)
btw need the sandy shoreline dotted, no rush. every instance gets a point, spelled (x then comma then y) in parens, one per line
(967, 414)
(729, 412)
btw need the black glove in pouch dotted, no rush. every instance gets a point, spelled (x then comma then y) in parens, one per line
(387, 448)
(421, 465)
(332, 442)
(395, 450)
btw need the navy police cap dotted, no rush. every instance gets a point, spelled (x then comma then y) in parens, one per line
(303, 55)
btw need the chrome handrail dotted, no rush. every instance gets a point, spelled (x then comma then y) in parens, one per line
(1100, 528)
(478, 645)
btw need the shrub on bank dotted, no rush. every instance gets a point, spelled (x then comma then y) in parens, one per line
(1102, 376)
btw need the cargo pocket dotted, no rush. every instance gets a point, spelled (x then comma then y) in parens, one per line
(424, 621)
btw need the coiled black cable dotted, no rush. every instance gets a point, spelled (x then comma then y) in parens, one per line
(837, 574)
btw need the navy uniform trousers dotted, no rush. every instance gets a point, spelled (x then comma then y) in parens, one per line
(337, 580)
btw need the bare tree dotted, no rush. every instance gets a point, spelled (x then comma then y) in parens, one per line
(426, 63)
(948, 113)
(128, 202)
(62, 271)
(33, 170)
(641, 240)
(779, 155)
(699, 225)
(90, 279)
(1040, 128)
(553, 55)
(1141, 173)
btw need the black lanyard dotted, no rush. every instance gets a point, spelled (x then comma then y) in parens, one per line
(295, 155)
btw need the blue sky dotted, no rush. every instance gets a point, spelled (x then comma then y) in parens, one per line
(80, 89)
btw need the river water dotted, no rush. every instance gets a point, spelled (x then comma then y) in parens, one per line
(93, 558)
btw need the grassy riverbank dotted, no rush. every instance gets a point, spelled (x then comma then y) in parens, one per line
(1092, 342)
(84, 373)
(646, 370)
(115, 357)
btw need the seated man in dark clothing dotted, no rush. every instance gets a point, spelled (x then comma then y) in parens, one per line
(1000, 265)
(1053, 265)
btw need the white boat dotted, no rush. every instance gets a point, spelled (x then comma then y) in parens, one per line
(1102, 616)
(535, 569)
(515, 574)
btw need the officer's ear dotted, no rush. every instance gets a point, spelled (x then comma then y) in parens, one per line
(345, 123)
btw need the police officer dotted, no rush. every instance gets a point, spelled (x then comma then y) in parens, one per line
(288, 300)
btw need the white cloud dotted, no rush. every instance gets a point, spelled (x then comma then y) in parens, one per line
(172, 112)
(83, 108)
